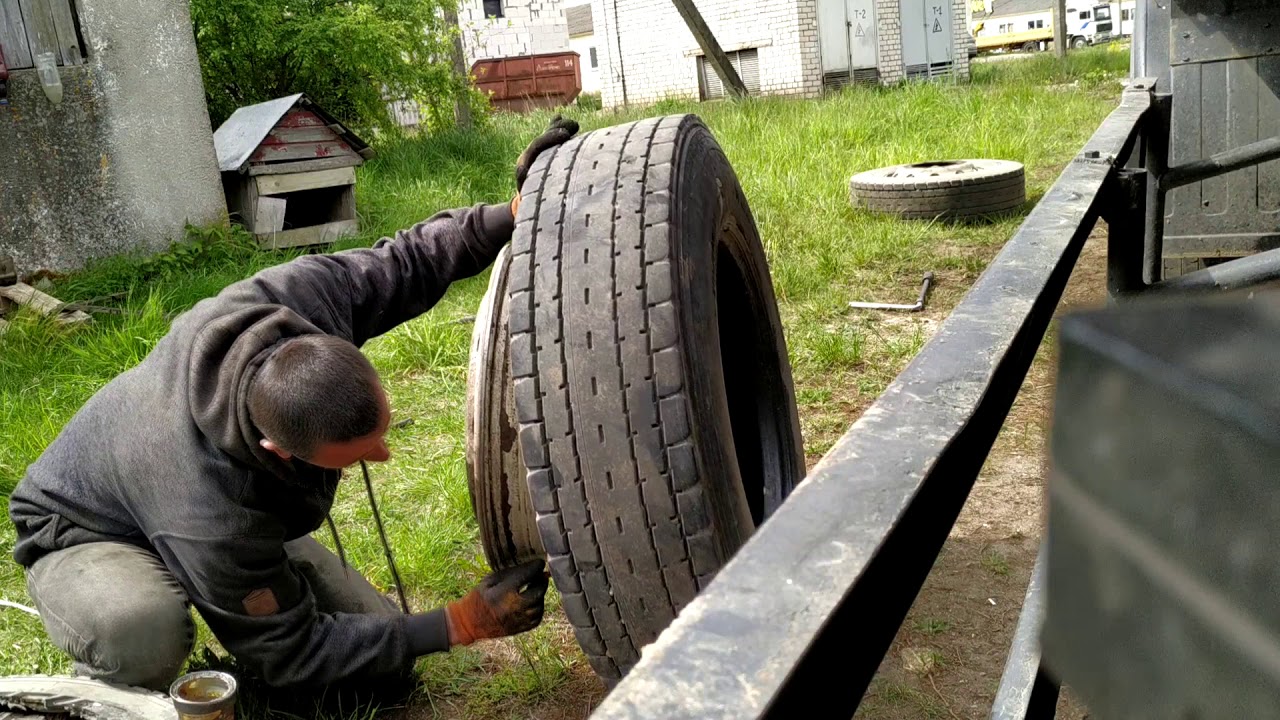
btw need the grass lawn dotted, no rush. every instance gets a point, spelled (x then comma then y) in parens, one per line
(794, 159)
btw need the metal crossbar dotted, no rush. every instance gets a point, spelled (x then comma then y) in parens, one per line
(800, 619)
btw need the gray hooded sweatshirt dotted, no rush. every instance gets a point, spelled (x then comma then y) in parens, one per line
(165, 457)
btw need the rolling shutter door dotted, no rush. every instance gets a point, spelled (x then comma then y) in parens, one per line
(746, 62)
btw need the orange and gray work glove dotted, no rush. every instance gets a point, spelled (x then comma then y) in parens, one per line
(558, 133)
(507, 602)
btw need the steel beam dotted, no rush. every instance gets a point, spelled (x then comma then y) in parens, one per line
(1238, 274)
(1026, 691)
(1156, 150)
(1125, 223)
(711, 48)
(796, 624)
(1221, 163)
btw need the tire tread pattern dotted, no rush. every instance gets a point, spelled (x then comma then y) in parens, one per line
(605, 428)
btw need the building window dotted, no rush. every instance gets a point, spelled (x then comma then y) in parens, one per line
(595, 61)
(746, 62)
(1126, 15)
(1085, 15)
(493, 8)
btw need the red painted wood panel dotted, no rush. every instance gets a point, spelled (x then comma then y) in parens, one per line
(301, 151)
(301, 135)
(299, 117)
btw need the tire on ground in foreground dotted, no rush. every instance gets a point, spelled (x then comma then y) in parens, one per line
(947, 189)
(81, 698)
(652, 387)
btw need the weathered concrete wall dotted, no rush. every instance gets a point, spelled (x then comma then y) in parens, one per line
(126, 160)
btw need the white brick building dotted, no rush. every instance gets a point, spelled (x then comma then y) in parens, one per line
(510, 28)
(780, 47)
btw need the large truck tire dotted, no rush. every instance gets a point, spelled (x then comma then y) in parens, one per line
(495, 469)
(946, 189)
(22, 695)
(652, 387)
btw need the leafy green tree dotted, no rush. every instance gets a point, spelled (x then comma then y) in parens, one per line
(350, 56)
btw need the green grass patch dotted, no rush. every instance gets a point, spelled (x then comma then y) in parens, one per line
(995, 562)
(794, 159)
(931, 626)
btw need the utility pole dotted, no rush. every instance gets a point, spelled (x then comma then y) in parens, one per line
(710, 48)
(461, 103)
(1060, 28)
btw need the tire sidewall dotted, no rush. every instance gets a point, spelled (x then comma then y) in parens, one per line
(704, 194)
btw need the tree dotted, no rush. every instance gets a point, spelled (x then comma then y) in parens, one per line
(350, 56)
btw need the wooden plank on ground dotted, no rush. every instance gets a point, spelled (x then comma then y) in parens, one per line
(305, 165)
(13, 36)
(280, 184)
(314, 235)
(270, 215)
(64, 24)
(301, 151)
(24, 295)
(38, 17)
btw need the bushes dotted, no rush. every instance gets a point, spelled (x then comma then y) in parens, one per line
(349, 56)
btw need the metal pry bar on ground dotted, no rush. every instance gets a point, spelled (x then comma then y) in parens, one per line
(925, 286)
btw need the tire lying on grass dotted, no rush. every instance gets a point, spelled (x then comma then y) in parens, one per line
(652, 388)
(946, 189)
(80, 698)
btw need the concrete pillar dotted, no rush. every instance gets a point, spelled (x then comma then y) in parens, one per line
(126, 160)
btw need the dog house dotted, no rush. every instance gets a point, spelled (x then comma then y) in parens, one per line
(289, 172)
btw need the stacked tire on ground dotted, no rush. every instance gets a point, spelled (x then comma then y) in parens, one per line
(648, 380)
(943, 190)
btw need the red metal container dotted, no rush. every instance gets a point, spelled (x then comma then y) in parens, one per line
(527, 82)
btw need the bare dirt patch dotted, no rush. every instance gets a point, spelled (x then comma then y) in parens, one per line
(966, 613)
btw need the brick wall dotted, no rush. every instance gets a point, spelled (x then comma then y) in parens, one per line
(529, 27)
(963, 40)
(889, 41)
(647, 47)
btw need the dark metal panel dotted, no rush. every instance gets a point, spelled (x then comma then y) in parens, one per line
(1269, 126)
(1242, 121)
(1151, 42)
(1215, 128)
(1212, 30)
(796, 624)
(1162, 511)
(1183, 204)
(1223, 100)
(1026, 692)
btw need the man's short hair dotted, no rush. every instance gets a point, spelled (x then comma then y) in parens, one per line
(312, 390)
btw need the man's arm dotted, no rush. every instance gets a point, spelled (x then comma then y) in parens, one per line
(360, 294)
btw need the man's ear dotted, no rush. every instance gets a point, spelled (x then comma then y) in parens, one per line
(270, 446)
